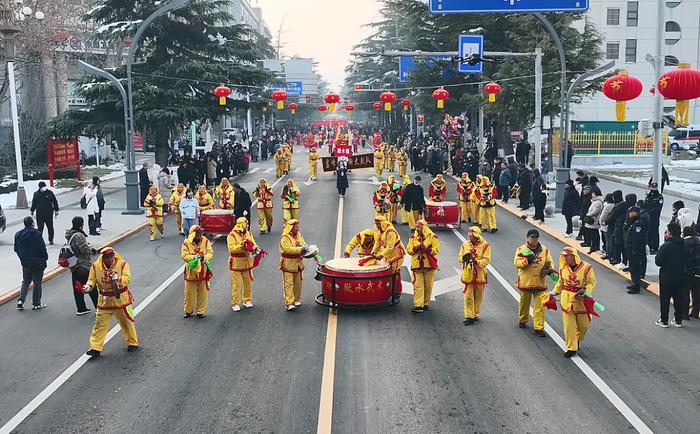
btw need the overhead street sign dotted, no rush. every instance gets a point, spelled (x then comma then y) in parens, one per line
(407, 65)
(468, 45)
(506, 6)
(295, 88)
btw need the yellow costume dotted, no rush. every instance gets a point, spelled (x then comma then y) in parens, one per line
(105, 279)
(387, 152)
(224, 194)
(437, 190)
(424, 248)
(391, 159)
(287, 157)
(279, 163)
(533, 266)
(388, 244)
(466, 188)
(290, 201)
(204, 199)
(154, 211)
(378, 162)
(264, 195)
(313, 163)
(475, 255)
(241, 245)
(196, 255)
(486, 197)
(363, 241)
(292, 263)
(402, 159)
(394, 198)
(176, 197)
(381, 201)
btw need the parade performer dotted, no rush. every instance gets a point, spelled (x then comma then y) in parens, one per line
(378, 162)
(154, 211)
(394, 198)
(424, 248)
(313, 163)
(576, 284)
(486, 196)
(465, 189)
(264, 194)
(534, 262)
(197, 254)
(402, 159)
(405, 215)
(241, 246)
(363, 241)
(290, 200)
(387, 154)
(179, 193)
(292, 248)
(110, 276)
(475, 255)
(287, 158)
(377, 140)
(225, 195)
(204, 199)
(388, 245)
(381, 201)
(437, 189)
(391, 158)
(279, 163)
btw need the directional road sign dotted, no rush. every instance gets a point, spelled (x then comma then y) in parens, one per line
(468, 45)
(506, 6)
(295, 88)
(407, 65)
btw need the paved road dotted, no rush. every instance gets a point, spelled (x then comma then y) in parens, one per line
(260, 370)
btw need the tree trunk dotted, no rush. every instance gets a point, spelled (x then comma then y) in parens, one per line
(162, 146)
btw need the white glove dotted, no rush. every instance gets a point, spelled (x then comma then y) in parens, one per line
(87, 289)
(552, 293)
(245, 213)
(115, 277)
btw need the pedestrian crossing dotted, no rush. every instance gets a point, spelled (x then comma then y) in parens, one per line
(253, 170)
(269, 170)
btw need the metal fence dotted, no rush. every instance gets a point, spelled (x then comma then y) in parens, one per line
(618, 143)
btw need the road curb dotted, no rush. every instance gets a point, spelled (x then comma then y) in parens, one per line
(14, 293)
(644, 186)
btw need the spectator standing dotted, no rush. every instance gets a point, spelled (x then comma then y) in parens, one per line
(504, 182)
(635, 246)
(189, 208)
(605, 234)
(692, 272)
(165, 187)
(584, 204)
(77, 241)
(211, 169)
(97, 189)
(570, 207)
(539, 197)
(615, 224)
(590, 220)
(654, 203)
(525, 183)
(671, 260)
(92, 207)
(242, 203)
(31, 250)
(144, 182)
(45, 206)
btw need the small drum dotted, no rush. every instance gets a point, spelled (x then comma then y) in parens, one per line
(442, 213)
(217, 221)
(355, 285)
(313, 251)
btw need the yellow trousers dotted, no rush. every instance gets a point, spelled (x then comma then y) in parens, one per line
(196, 297)
(103, 318)
(279, 169)
(422, 287)
(378, 170)
(386, 215)
(264, 219)
(178, 216)
(292, 287)
(402, 170)
(524, 309)
(290, 213)
(487, 218)
(464, 211)
(156, 225)
(394, 211)
(241, 280)
(413, 217)
(391, 165)
(404, 216)
(313, 170)
(387, 163)
(473, 212)
(575, 328)
(473, 295)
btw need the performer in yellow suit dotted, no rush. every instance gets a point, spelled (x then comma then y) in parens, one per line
(290, 200)
(179, 193)
(279, 163)
(388, 245)
(387, 153)
(394, 198)
(287, 157)
(534, 262)
(576, 282)
(241, 246)
(378, 162)
(475, 256)
(292, 249)
(465, 188)
(313, 163)
(381, 201)
(204, 199)
(402, 160)
(424, 248)
(224, 194)
(154, 211)
(391, 158)
(405, 215)
(197, 254)
(264, 194)
(363, 241)
(110, 276)
(486, 197)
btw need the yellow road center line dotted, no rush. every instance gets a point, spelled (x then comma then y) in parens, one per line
(325, 407)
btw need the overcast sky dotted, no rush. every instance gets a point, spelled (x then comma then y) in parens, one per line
(321, 29)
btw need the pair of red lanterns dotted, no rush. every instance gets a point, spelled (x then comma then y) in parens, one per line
(387, 99)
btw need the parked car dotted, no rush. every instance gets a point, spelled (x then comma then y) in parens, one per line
(3, 220)
(685, 138)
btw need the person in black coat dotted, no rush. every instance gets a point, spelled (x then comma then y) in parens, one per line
(616, 247)
(144, 182)
(341, 181)
(635, 245)
(241, 202)
(31, 250)
(413, 201)
(539, 197)
(45, 206)
(692, 271)
(584, 203)
(671, 260)
(571, 206)
(654, 203)
(525, 183)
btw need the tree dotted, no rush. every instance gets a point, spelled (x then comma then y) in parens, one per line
(182, 57)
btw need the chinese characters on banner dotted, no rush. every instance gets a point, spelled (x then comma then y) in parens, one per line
(343, 150)
(63, 154)
(360, 161)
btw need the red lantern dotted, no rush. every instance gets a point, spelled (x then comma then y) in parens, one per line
(293, 107)
(377, 106)
(322, 108)
(332, 99)
(222, 92)
(280, 96)
(492, 89)
(622, 88)
(349, 108)
(387, 98)
(681, 84)
(440, 95)
(406, 103)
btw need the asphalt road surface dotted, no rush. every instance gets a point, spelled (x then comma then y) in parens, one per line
(260, 370)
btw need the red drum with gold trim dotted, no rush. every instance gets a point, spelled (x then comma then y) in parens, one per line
(442, 213)
(356, 285)
(216, 221)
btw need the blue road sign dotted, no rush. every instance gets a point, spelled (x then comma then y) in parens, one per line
(468, 45)
(295, 88)
(407, 65)
(506, 6)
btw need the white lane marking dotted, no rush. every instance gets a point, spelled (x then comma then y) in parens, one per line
(269, 169)
(253, 170)
(73, 368)
(297, 170)
(598, 382)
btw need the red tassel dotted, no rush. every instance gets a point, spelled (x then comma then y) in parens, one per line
(589, 302)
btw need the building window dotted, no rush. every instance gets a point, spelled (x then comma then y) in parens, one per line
(672, 26)
(632, 14)
(631, 51)
(613, 17)
(673, 32)
(672, 4)
(670, 60)
(612, 51)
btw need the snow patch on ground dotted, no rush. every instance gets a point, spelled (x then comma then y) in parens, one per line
(9, 200)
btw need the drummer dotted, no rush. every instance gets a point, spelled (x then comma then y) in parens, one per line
(313, 163)
(224, 194)
(204, 199)
(465, 189)
(382, 206)
(475, 255)
(486, 196)
(388, 245)
(241, 246)
(394, 198)
(290, 200)
(363, 241)
(437, 189)
(263, 192)
(424, 248)
(292, 248)
(197, 254)
(154, 205)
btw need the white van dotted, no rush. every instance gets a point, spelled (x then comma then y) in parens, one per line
(684, 138)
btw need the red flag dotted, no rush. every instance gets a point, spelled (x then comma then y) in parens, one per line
(549, 302)
(589, 303)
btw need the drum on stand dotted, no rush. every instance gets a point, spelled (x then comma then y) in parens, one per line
(347, 284)
(217, 221)
(442, 213)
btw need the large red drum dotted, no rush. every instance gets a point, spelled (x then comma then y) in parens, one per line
(355, 285)
(217, 221)
(442, 213)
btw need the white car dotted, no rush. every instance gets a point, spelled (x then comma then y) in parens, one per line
(685, 138)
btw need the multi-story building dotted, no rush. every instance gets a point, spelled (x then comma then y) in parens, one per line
(299, 74)
(629, 30)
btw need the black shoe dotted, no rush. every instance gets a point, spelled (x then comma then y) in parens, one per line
(188, 315)
(626, 270)
(83, 312)
(585, 245)
(200, 315)
(494, 230)
(132, 348)
(633, 291)
(614, 262)
(426, 307)
(92, 353)
(468, 321)
(541, 333)
(653, 252)
(522, 325)
(20, 305)
(417, 310)
(476, 319)
(632, 287)
(579, 238)
(569, 354)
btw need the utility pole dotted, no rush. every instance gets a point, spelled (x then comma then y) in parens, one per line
(480, 141)
(658, 98)
(537, 136)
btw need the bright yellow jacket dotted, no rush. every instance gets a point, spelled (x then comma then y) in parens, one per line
(100, 280)
(424, 250)
(175, 199)
(313, 157)
(240, 258)
(475, 272)
(532, 277)
(190, 250)
(291, 258)
(205, 201)
(571, 282)
(389, 246)
(363, 241)
(154, 210)
(264, 196)
(225, 195)
(378, 158)
(402, 158)
(288, 204)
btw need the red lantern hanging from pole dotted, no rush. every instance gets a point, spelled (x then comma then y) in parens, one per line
(332, 99)
(349, 108)
(622, 88)
(222, 92)
(280, 96)
(322, 109)
(492, 89)
(387, 98)
(441, 95)
(377, 106)
(406, 103)
(681, 84)
(293, 107)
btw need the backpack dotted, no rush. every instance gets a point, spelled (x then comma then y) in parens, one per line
(66, 257)
(83, 202)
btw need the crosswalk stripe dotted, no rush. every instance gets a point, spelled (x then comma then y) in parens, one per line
(253, 170)
(269, 169)
(297, 170)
